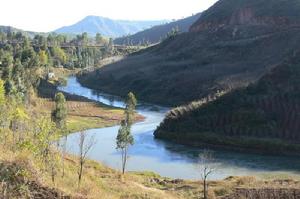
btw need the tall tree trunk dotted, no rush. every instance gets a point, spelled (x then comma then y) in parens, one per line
(63, 155)
(204, 189)
(53, 175)
(80, 174)
(123, 161)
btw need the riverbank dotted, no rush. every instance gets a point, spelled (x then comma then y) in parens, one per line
(239, 144)
(209, 140)
(83, 113)
(100, 180)
(22, 175)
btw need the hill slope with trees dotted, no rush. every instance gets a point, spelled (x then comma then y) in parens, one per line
(16, 30)
(157, 33)
(223, 57)
(259, 117)
(245, 12)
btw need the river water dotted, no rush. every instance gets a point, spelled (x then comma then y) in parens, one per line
(165, 158)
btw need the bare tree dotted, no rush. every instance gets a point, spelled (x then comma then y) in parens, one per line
(84, 147)
(206, 163)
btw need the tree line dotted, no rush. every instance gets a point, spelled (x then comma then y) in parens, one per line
(48, 50)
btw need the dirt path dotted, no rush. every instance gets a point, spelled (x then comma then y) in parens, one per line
(161, 193)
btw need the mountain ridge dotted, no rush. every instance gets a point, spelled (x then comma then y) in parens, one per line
(245, 12)
(107, 27)
(158, 33)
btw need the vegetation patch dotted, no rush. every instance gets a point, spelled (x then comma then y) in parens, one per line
(264, 116)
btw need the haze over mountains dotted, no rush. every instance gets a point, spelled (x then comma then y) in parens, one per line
(108, 27)
(15, 30)
(125, 31)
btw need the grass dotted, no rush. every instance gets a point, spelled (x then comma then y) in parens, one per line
(24, 175)
(76, 123)
(85, 115)
(101, 181)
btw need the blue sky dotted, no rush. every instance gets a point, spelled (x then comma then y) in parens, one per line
(47, 15)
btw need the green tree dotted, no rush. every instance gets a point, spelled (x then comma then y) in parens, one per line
(9, 87)
(59, 114)
(27, 54)
(110, 46)
(3, 112)
(44, 135)
(84, 39)
(124, 138)
(43, 58)
(99, 39)
(7, 64)
(2, 93)
(59, 55)
(131, 103)
(173, 33)
(18, 120)
(18, 77)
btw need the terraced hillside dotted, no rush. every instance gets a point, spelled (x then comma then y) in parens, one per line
(262, 116)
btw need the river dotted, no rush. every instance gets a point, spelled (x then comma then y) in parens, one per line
(165, 158)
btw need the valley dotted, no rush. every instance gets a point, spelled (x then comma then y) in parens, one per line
(179, 160)
(229, 96)
(138, 105)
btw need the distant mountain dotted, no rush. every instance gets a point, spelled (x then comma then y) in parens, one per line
(12, 29)
(157, 33)
(108, 27)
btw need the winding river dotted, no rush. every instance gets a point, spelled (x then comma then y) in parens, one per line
(168, 159)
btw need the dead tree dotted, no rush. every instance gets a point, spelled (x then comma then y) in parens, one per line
(84, 147)
(206, 163)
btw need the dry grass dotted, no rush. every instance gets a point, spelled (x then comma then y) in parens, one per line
(102, 182)
(98, 181)
(84, 115)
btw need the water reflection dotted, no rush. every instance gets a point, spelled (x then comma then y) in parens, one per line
(166, 158)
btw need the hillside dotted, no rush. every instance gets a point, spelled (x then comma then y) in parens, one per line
(107, 27)
(23, 177)
(263, 116)
(6, 29)
(245, 12)
(157, 33)
(193, 65)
